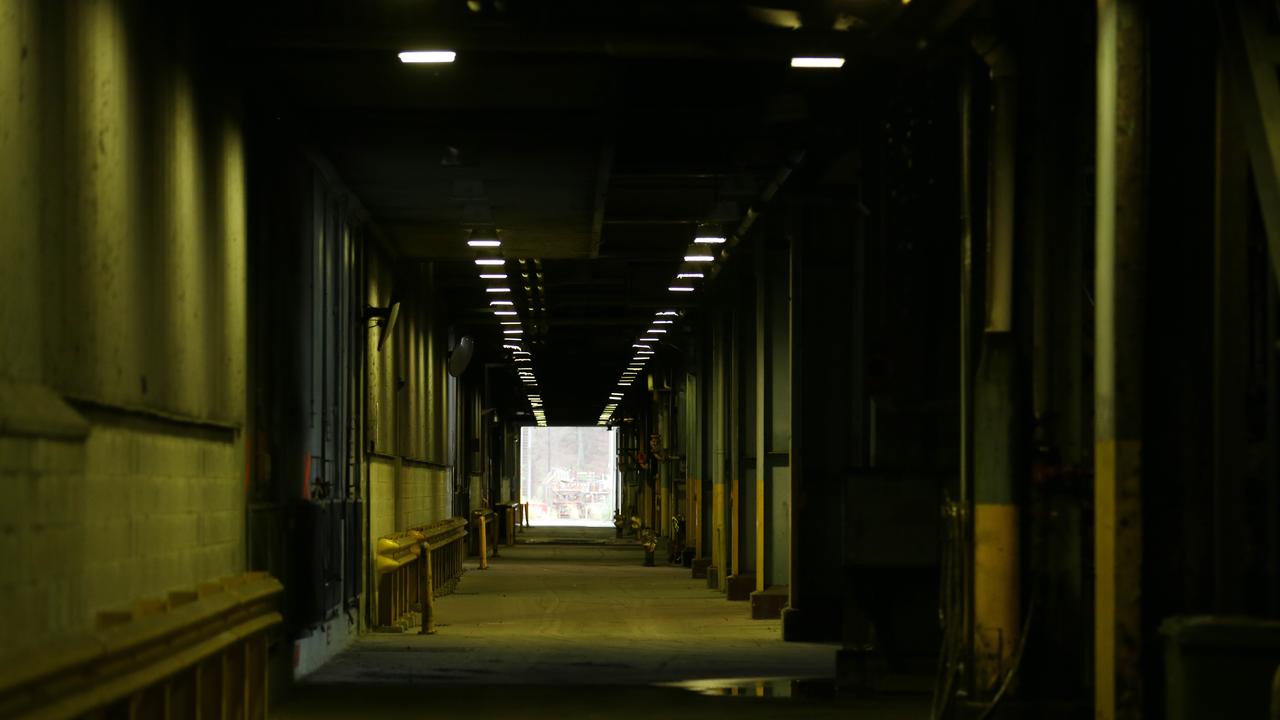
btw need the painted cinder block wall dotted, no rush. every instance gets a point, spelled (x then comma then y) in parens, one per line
(122, 316)
(408, 396)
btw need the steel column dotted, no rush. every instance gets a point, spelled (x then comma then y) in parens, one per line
(1120, 236)
(996, 596)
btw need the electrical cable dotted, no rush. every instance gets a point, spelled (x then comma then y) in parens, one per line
(950, 608)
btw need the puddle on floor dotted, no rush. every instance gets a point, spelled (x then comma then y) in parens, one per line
(766, 687)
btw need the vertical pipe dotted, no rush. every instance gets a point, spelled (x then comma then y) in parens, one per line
(484, 542)
(966, 342)
(1231, 364)
(764, 409)
(1120, 236)
(996, 599)
(734, 435)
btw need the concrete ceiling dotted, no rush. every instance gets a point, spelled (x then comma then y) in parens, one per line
(592, 135)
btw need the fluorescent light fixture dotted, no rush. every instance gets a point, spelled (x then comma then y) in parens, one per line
(667, 313)
(648, 339)
(490, 261)
(656, 331)
(644, 352)
(680, 288)
(497, 289)
(510, 322)
(521, 352)
(663, 322)
(485, 243)
(817, 62)
(513, 331)
(499, 303)
(523, 360)
(638, 345)
(683, 276)
(709, 240)
(505, 313)
(512, 347)
(493, 276)
(699, 257)
(427, 56)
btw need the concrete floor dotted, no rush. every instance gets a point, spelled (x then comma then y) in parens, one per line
(582, 630)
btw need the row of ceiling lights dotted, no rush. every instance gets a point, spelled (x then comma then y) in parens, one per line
(696, 258)
(448, 56)
(644, 352)
(493, 273)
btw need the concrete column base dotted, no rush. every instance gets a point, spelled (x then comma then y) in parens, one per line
(859, 671)
(767, 604)
(713, 577)
(812, 624)
(700, 566)
(740, 587)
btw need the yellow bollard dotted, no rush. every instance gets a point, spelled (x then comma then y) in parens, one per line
(426, 594)
(484, 544)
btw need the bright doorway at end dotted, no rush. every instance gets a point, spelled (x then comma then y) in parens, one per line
(567, 475)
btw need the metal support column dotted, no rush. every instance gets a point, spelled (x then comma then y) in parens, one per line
(719, 460)
(996, 591)
(1118, 373)
(772, 425)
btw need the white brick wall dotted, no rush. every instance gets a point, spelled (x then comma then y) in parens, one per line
(382, 497)
(127, 514)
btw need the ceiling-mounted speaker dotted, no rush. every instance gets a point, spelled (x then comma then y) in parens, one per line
(461, 356)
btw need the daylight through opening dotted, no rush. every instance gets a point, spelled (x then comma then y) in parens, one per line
(568, 475)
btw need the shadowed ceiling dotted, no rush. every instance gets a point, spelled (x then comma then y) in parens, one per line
(592, 136)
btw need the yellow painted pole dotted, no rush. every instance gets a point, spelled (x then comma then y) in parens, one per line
(484, 543)
(426, 594)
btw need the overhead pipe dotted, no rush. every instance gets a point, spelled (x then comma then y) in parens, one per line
(793, 161)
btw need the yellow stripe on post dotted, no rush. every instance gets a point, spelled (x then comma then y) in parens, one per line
(1117, 584)
(996, 601)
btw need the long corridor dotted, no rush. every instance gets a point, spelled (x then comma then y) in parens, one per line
(572, 625)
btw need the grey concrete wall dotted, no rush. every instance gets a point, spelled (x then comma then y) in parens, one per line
(122, 316)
